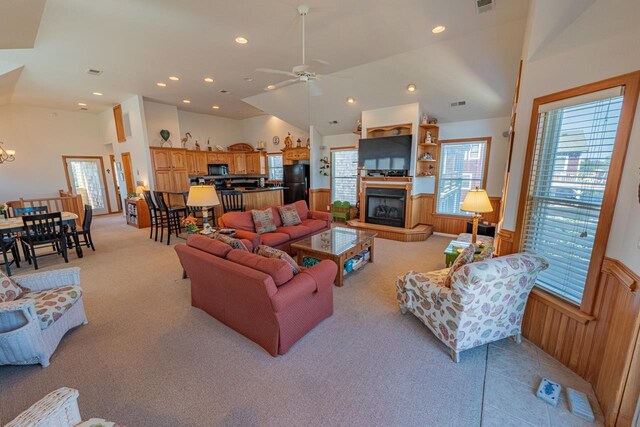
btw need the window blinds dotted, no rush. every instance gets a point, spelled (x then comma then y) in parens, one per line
(571, 158)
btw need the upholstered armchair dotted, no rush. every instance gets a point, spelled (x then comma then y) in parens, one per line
(32, 326)
(485, 302)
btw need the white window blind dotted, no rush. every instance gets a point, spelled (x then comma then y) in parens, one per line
(570, 165)
(275, 167)
(461, 169)
(344, 172)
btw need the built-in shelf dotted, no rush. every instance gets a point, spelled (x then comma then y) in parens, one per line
(428, 144)
(426, 160)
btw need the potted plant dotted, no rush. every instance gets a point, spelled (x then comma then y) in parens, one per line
(190, 224)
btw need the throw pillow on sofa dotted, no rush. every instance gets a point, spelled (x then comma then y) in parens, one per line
(465, 257)
(289, 215)
(9, 290)
(234, 243)
(269, 252)
(487, 253)
(263, 220)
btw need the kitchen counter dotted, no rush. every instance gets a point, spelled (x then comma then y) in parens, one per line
(257, 190)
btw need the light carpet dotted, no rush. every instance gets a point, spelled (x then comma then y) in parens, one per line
(147, 358)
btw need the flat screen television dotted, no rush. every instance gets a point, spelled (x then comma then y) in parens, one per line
(386, 153)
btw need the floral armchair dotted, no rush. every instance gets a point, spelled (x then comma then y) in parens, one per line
(32, 325)
(485, 302)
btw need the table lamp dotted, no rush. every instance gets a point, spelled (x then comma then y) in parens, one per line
(140, 189)
(477, 202)
(205, 197)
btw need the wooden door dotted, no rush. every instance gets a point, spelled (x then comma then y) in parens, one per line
(161, 159)
(127, 170)
(201, 163)
(180, 181)
(179, 159)
(240, 162)
(117, 117)
(190, 158)
(163, 181)
(112, 161)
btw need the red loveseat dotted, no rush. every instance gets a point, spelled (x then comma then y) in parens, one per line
(257, 296)
(313, 222)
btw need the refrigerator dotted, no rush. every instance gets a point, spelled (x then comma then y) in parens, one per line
(296, 181)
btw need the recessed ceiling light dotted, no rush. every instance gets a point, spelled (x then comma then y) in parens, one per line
(241, 40)
(271, 87)
(161, 84)
(82, 104)
(216, 107)
(351, 100)
(97, 93)
(411, 87)
(174, 78)
(186, 101)
(208, 80)
(438, 29)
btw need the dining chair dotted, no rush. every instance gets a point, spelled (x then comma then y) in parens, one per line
(43, 230)
(85, 232)
(232, 201)
(170, 217)
(31, 210)
(154, 213)
(9, 243)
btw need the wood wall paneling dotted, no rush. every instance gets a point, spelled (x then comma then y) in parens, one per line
(319, 199)
(423, 211)
(117, 117)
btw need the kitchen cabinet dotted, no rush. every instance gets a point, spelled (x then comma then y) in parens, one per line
(257, 163)
(240, 163)
(292, 155)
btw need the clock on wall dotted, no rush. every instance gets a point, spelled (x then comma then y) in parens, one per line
(276, 140)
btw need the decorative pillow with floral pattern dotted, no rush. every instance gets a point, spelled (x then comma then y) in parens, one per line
(263, 220)
(487, 253)
(269, 252)
(9, 290)
(465, 257)
(289, 215)
(234, 243)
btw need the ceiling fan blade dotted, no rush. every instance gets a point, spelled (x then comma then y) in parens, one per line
(320, 61)
(273, 71)
(286, 83)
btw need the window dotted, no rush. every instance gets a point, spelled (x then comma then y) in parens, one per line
(462, 168)
(344, 172)
(572, 151)
(275, 167)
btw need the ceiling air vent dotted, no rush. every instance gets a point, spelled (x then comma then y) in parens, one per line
(459, 103)
(485, 5)
(333, 122)
(94, 72)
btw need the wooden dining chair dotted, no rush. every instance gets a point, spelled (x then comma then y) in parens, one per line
(170, 217)
(43, 230)
(232, 201)
(154, 213)
(30, 210)
(9, 244)
(85, 232)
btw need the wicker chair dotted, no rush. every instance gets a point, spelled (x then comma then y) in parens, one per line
(23, 338)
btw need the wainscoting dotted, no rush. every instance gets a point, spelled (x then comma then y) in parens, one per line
(423, 212)
(319, 198)
(603, 348)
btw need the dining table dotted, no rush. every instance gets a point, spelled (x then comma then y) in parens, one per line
(16, 225)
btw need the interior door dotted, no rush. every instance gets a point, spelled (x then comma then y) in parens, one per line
(86, 177)
(127, 169)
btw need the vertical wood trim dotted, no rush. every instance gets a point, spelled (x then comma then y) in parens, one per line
(117, 117)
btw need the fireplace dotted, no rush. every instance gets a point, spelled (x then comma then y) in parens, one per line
(385, 206)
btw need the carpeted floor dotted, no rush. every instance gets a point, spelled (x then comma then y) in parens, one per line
(147, 358)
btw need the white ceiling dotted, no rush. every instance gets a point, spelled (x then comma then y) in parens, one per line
(382, 44)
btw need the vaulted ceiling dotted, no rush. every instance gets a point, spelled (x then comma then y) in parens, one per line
(374, 49)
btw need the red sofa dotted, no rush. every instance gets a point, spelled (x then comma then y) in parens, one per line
(257, 296)
(313, 222)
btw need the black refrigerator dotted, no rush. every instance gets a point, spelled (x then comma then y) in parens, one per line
(296, 181)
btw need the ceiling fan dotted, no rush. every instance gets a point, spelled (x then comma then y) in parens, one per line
(305, 73)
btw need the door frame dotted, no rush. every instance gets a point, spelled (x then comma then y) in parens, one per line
(124, 172)
(104, 177)
(112, 160)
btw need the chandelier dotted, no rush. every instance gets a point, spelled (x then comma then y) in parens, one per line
(6, 155)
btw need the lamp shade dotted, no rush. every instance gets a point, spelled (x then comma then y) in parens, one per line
(202, 195)
(476, 201)
(140, 189)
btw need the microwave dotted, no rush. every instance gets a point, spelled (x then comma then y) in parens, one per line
(219, 169)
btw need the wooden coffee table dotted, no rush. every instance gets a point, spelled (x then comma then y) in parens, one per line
(338, 244)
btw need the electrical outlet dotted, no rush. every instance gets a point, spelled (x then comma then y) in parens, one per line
(329, 208)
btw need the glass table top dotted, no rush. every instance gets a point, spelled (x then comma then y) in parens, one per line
(335, 241)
